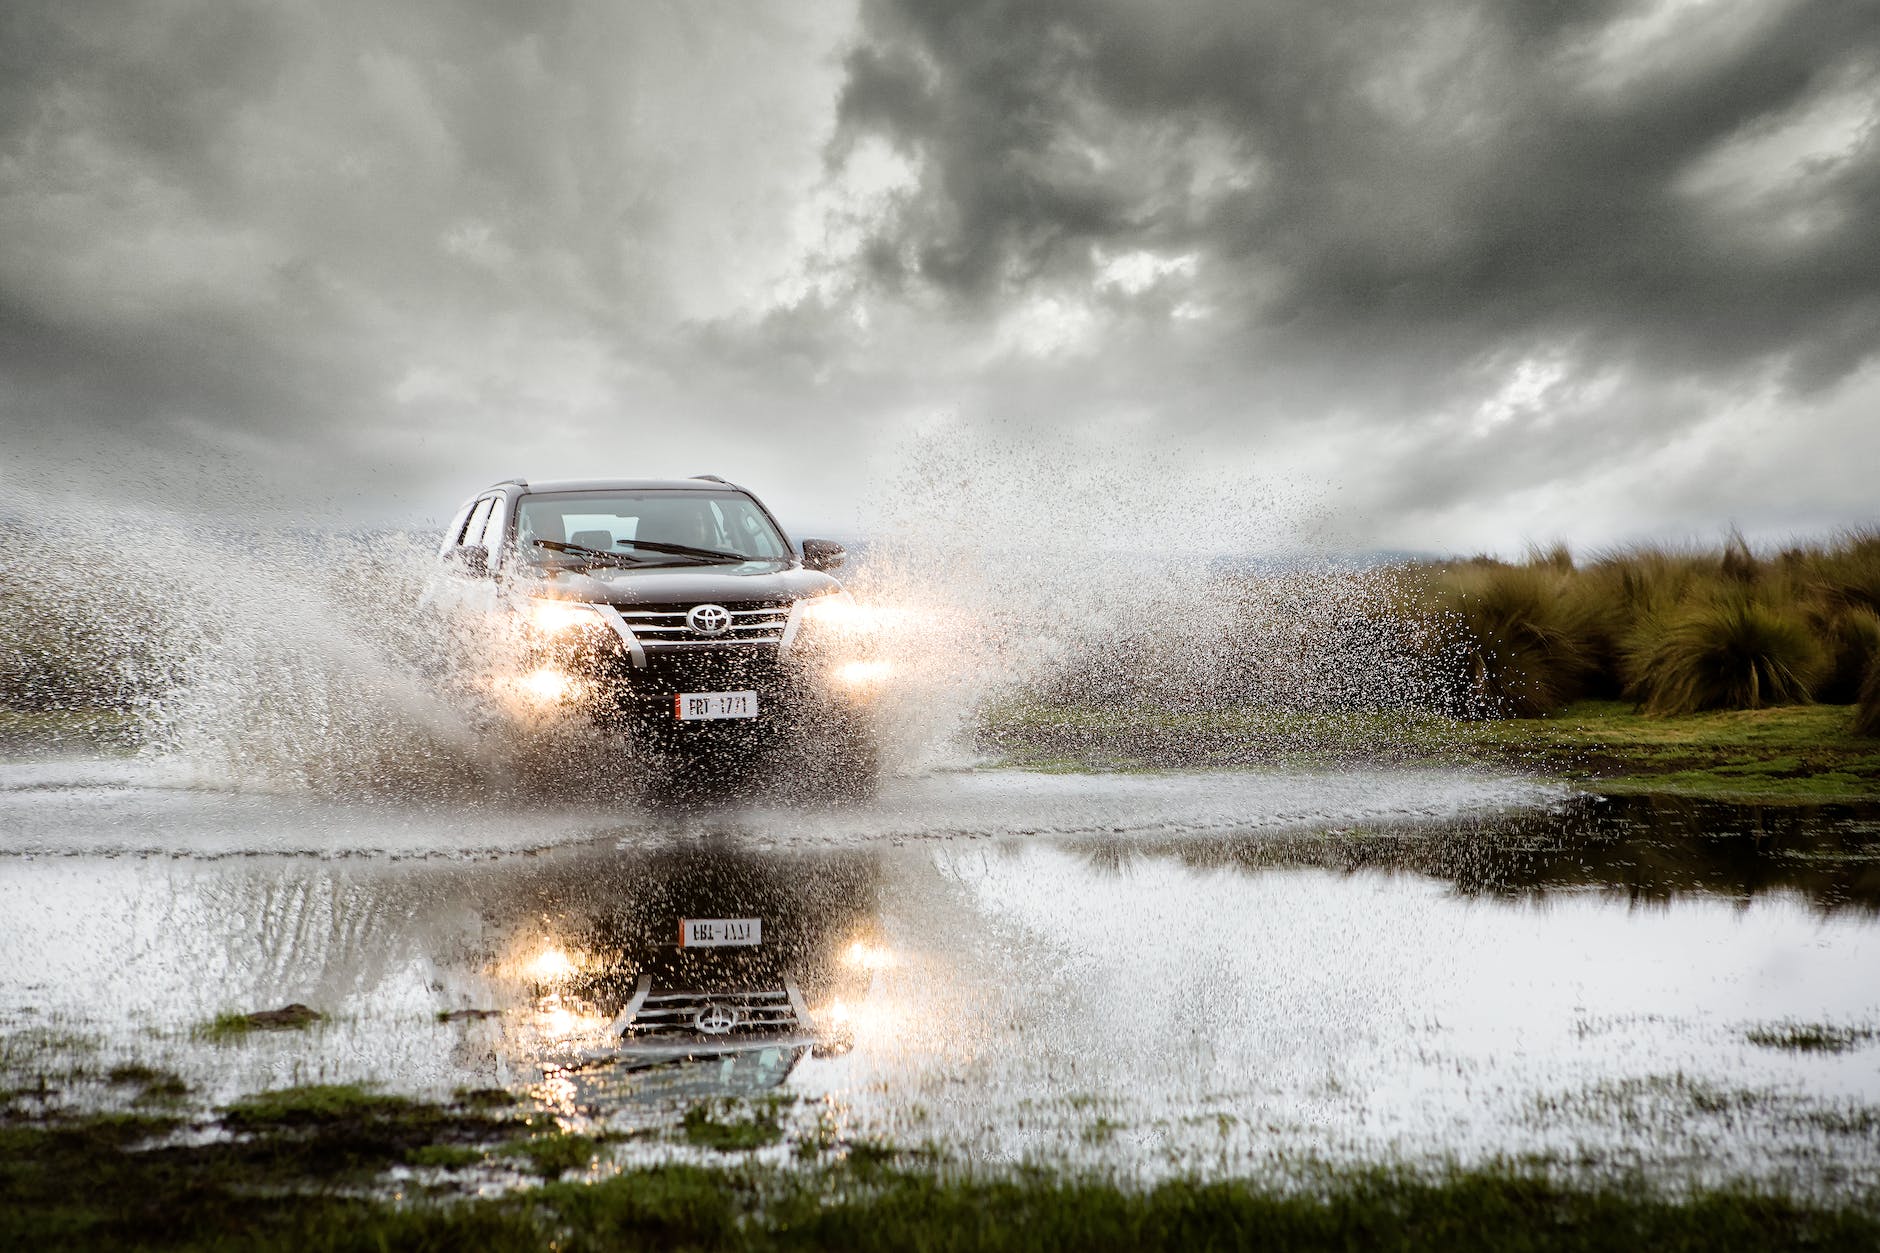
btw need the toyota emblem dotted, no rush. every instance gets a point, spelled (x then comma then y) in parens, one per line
(709, 619)
(716, 1020)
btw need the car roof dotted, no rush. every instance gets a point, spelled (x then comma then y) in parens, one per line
(618, 485)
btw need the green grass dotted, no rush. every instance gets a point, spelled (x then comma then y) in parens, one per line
(552, 1156)
(300, 1174)
(229, 1027)
(446, 1156)
(88, 1185)
(86, 728)
(154, 1087)
(1802, 753)
(1797, 753)
(318, 1104)
(703, 1129)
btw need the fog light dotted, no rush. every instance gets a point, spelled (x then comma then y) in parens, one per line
(548, 686)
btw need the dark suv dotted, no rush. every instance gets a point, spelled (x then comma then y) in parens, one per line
(679, 611)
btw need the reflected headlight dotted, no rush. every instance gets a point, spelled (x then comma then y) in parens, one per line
(550, 965)
(865, 956)
(553, 617)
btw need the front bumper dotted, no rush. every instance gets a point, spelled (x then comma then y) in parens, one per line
(625, 667)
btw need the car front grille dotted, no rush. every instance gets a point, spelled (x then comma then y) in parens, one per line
(754, 623)
(675, 1015)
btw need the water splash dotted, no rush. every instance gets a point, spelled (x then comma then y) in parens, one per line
(1003, 574)
(1112, 577)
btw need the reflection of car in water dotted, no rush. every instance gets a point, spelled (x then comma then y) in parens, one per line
(724, 968)
(677, 610)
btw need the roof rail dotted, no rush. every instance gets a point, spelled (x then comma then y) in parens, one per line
(713, 478)
(507, 482)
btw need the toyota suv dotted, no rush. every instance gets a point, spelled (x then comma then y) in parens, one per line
(679, 612)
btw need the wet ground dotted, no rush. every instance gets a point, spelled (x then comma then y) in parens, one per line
(1150, 974)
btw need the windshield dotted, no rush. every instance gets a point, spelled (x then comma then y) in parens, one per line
(654, 526)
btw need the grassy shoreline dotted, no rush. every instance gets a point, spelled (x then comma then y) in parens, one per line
(1791, 754)
(39, 732)
(1797, 754)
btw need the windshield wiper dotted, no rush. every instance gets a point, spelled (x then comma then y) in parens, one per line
(576, 550)
(705, 556)
(689, 555)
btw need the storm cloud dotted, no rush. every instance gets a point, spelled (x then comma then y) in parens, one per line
(1484, 270)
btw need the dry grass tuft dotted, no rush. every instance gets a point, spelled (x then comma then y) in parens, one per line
(1732, 653)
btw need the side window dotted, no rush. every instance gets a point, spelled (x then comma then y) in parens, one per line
(479, 518)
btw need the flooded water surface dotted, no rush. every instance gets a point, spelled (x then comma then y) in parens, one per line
(1148, 974)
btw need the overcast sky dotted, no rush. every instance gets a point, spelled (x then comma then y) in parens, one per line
(1466, 272)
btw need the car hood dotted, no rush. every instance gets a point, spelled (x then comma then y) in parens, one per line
(754, 580)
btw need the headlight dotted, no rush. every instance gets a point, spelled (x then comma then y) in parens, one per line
(862, 673)
(554, 617)
(834, 613)
(839, 614)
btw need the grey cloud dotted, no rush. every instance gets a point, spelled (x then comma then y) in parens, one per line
(1434, 172)
(416, 245)
(354, 238)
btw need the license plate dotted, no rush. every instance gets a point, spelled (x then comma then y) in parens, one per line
(705, 706)
(720, 932)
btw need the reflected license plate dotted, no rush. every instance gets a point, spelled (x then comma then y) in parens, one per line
(705, 706)
(720, 932)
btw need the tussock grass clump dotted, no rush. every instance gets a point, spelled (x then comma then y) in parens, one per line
(1852, 641)
(1526, 644)
(1867, 712)
(1846, 573)
(1732, 653)
(1675, 630)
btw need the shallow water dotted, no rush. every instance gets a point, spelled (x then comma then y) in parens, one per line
(1145, 973)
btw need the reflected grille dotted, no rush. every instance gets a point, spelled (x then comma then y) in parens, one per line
(675, 1014)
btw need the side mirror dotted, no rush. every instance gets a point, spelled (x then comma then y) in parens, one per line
(823, 554)
(473, 560)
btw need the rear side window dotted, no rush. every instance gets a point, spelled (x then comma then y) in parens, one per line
(491, 536)
(453, 534)
(479, 517)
